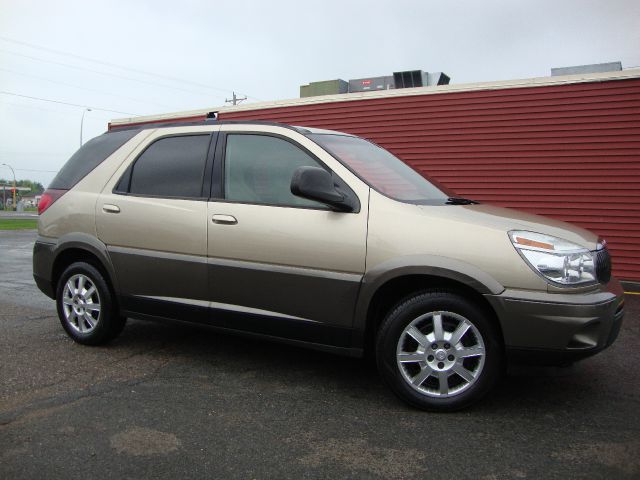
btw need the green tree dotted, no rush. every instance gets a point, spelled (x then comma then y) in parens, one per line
(36, 187)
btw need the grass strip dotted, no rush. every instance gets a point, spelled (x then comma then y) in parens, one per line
(18, 224)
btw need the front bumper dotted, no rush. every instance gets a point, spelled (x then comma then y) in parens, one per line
(557, 328)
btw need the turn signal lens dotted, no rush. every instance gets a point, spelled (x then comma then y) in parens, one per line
(533, 243)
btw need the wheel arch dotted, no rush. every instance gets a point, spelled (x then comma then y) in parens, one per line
(81, 247)
(380, 292)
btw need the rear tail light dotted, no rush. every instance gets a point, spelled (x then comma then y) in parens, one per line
(48, 198)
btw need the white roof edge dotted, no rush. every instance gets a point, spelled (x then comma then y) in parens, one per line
(163, 116)
(403, 92)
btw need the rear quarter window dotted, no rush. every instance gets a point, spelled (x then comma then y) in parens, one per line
(170, 167)
(88, 157)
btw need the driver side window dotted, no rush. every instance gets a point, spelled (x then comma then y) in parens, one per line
(258, 169)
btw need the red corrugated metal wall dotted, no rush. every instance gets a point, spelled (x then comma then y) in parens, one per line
(570, 152)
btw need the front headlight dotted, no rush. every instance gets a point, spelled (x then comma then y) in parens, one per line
(557, 260)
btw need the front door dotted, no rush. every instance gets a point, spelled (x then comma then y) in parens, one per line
(279, 264)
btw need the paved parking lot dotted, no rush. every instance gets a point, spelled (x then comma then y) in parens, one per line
(179, 401)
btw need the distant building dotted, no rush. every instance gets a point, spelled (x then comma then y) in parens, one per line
(407, 79)
(582, 69)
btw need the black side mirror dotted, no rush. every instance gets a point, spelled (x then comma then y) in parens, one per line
(315, 183)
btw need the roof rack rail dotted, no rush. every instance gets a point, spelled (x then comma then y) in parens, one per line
(190, 121)
(155, 121)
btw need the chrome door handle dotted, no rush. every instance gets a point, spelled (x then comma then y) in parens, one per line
(107, 208)
(224, 219)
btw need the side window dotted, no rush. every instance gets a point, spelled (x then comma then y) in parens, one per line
(170, 167)
(258, 169)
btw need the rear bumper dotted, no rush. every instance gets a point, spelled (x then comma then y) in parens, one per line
(43, 257)
(551, 328)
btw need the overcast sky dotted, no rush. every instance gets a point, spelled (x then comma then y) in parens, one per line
(146, 57)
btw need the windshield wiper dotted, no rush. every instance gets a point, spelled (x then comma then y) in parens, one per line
(460, 201)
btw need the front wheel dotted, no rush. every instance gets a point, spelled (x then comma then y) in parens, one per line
(85, 305)
(438, 351)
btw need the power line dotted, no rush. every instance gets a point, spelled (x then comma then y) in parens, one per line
(122, 77)
(36, 107)
(10, 153)
(115, 65)
(50, 110)
(84, 88)
(66, 103)
(22, 153)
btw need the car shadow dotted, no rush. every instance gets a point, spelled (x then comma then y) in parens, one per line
(199, 350)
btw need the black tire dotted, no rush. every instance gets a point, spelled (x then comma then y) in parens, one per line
(453, 311)
(94, 327)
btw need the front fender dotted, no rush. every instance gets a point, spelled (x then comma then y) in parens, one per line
(431, 265)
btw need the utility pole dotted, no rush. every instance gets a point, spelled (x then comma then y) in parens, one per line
(234, 100)
(82, 122)
(14, 185)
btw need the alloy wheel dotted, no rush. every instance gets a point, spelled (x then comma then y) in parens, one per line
(81, 303)
(440, 354)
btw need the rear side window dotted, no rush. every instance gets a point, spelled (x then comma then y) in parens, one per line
(90, 155)
(170, 167)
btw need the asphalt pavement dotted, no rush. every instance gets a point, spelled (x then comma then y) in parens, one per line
(181, 401)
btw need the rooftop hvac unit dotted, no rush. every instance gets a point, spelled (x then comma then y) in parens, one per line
(438, 78)
(410, 79)
(371, 83)
(418, 78)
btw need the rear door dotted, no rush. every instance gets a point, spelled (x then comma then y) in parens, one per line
(280, 264)
(152, 216)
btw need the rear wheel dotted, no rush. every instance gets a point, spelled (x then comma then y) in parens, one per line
(85, 305)
(438, 351)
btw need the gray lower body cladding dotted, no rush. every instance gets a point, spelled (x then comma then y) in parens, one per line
(228, 318)
(281, 291)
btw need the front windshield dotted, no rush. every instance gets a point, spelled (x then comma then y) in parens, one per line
(380, 169)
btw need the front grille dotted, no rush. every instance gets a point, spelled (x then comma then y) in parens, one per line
(603, 265)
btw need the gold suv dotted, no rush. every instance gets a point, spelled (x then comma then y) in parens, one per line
(322, 239)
